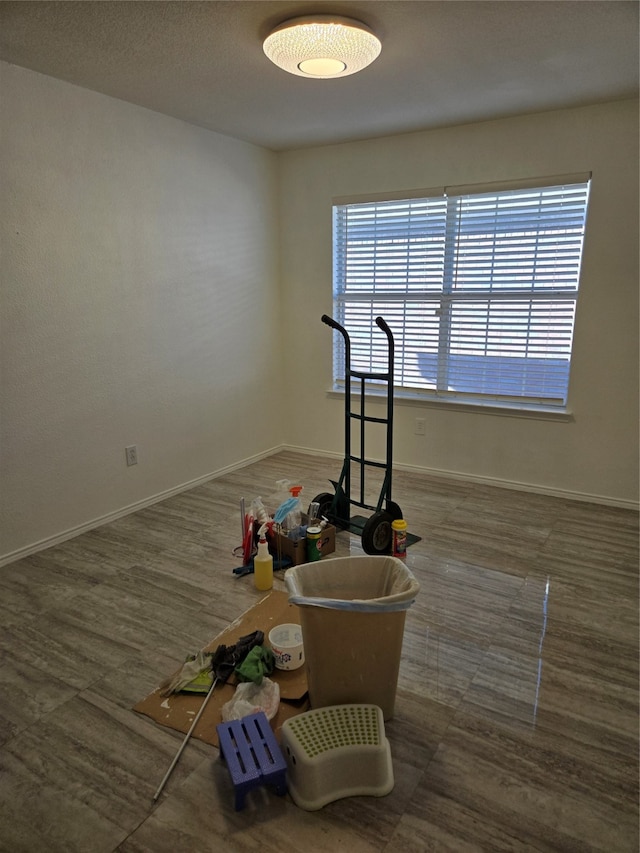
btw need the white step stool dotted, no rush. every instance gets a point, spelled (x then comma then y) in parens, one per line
(334, 752)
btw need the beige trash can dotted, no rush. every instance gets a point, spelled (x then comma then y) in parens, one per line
(352, 613)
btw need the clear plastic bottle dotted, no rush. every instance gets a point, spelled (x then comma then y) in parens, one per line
(281, 495)
(293, 521)
(263, 562)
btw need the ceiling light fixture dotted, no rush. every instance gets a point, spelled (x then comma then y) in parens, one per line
(322, 46)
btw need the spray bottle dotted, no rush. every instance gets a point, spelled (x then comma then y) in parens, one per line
(294, 518)
(263, 562)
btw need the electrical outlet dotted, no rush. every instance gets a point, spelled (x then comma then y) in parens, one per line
(420, 428)
(132, 454)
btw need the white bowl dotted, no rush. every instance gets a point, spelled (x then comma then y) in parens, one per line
(286, 645)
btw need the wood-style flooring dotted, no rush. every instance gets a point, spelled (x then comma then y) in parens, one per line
(516, 720)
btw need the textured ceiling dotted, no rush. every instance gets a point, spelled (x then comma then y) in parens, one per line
(442, 63)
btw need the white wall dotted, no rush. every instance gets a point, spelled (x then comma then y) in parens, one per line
(138, 305)
(141, 303)
(596, 455)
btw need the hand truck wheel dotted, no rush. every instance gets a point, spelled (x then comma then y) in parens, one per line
(324, 501)
(338, 516)
(377, 533)
(394, 510)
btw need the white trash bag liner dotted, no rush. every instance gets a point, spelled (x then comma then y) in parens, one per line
(365, 584)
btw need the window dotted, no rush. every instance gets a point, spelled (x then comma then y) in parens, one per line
(479, 289)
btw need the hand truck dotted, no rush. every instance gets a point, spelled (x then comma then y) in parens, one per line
(375, 531)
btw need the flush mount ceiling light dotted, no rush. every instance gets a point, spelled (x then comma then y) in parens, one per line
(322, 46)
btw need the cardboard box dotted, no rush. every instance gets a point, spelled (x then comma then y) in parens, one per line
(281, 546)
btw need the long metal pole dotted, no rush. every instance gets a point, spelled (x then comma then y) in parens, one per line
(185, 741)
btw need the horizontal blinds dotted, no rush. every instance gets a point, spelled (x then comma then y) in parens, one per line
(519, 239)
(478, 289)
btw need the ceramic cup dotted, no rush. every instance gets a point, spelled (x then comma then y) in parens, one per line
(286, 645)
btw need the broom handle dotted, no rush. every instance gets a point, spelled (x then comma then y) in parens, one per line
(185, 741)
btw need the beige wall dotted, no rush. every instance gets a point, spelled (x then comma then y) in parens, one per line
(596, 455)
(138, 305)
(150, 295)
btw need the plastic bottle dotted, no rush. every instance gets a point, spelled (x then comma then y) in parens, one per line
(258, 511)
(399, 527)
(263, 562)
(293, 521)
(281, 495)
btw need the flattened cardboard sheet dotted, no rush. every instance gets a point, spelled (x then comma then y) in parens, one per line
(179, 710)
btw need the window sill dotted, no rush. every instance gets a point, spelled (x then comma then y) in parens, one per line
(509, 410)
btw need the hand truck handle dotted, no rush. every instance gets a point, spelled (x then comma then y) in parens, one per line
(334, 325)
(382, 324)
(347, 340)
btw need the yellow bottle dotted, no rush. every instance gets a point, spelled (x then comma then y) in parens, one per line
(399, 528)
(263, 563)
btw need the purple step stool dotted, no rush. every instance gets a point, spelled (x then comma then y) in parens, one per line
(252, 755)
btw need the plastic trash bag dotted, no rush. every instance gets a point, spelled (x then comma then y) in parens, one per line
(250, 698)
(377, 584)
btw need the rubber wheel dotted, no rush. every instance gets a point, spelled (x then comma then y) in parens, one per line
(377, 534)
(325, 499)
(393, 509)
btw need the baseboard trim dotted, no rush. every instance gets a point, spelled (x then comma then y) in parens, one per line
(72, 532)
(566, 494)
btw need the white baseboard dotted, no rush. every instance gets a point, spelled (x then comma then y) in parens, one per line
(488, 481)
(72, 532)
(309, 451)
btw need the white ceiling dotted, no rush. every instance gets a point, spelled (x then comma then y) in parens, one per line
(442, 63)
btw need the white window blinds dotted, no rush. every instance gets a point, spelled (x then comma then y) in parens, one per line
(479, 290)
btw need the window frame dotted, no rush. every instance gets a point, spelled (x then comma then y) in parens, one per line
(536, 405)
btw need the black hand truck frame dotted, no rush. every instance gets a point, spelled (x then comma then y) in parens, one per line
(376, 531)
